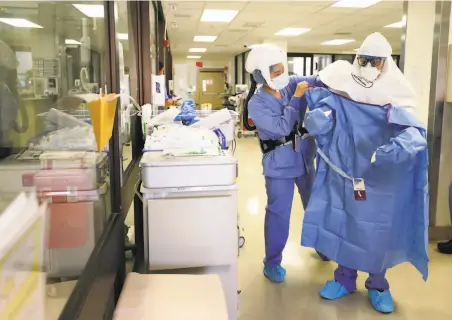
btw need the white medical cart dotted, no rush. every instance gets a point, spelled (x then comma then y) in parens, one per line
(190, 216)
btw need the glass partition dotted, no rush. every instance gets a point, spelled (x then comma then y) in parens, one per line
(52, 58)
(300, 64)
(152, 22)
(127, 79)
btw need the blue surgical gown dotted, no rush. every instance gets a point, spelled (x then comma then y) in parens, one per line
(274, 119)
(390, 226)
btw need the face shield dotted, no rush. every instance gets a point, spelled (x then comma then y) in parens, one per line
(371, 56)
(266, 58)
(369, 68)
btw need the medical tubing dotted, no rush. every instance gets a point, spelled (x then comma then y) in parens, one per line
(84, 76)
(25, 122)
(246, 124)
(11, 87)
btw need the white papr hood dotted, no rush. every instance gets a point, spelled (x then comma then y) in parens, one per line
(391, 87)
(262, 57)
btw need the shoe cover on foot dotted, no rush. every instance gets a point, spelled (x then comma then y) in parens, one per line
(381, 301)
(333, 290)
(275, 274)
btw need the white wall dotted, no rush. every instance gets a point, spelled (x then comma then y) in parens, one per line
(418, 52)
(185, 71)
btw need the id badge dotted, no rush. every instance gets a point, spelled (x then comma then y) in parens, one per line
(359, 189)
(296, 142)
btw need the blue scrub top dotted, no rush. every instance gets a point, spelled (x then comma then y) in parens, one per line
(276, 118)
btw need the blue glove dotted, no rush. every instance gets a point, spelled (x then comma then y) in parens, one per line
(188, 112)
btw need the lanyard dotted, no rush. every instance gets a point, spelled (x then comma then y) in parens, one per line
(332, 165)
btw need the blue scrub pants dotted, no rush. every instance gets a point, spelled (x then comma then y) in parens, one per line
(347, 277)
(280, 194)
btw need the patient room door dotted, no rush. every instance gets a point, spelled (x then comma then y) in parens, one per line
(210, 86)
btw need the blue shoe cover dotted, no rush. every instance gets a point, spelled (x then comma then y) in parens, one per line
(381, 301)
(275, 274)
(333, 290)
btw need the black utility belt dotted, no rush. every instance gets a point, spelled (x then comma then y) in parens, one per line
(293, 138)
(270, 145)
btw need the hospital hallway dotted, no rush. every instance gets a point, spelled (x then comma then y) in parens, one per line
(298, 297)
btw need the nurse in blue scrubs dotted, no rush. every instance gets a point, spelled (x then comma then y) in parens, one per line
(277, 110)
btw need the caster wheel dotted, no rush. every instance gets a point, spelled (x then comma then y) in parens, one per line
(241, 242)
(239, 135)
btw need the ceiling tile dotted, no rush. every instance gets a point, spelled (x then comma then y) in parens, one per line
(264, 18)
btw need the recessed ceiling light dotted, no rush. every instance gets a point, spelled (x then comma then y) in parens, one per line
(91, 10)
(254, 46)
(356, 50)
(193, 57)
(210, 15)
(20, 23)
(205, 38)
(399, 24)
(71, 41)
(355, 3)
(291, 32)
(197, 50)
(123, 36)
(337, 42)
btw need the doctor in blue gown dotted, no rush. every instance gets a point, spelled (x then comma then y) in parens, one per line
(369, 205)
(277, 110)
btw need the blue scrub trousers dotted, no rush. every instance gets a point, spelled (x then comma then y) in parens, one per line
(347, 277)
(280, 194)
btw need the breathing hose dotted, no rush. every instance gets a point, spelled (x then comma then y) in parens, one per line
(246, 124)
(11, 87)
(25, 121)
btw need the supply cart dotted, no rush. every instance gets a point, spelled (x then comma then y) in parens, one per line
(190, 216)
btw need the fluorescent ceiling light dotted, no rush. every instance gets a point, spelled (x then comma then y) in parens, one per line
(71, 41)
(399, 24)
(355, 3)
(254, 46)
(193, 57)
(197, 50)
(290, 62)
(291, 32)
(123, 36)
(210, 15)
(337, 42)
(91, 10)
(205, 38)
(20, 23)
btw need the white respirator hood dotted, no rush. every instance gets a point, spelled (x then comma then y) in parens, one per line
(389, 87)
(264, 56)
